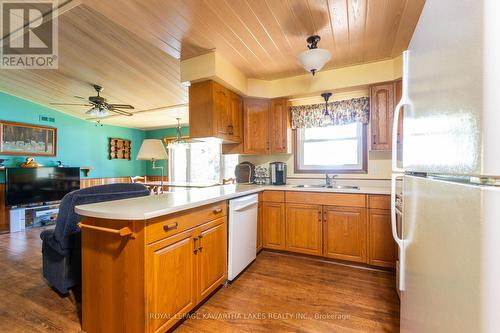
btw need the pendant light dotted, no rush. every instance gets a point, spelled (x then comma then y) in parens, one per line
(178, 142)
(327, 117)
(314, 59)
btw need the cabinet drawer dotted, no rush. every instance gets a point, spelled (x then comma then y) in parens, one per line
(162, 227)
(326, 199)
(273, 196)
(379, 201)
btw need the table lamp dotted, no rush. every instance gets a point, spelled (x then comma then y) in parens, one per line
(153, 150)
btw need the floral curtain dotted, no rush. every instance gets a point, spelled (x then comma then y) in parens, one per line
(341, 113)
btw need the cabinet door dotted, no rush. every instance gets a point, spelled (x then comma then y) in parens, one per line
(382, 112)
(381, 246)
(273, 225)
(222, 117)
(259, 228)
(235, 127)
(171, 276)
(280, 126)
(304, 228)
(344, 233)
(256, 126)
(211, 246)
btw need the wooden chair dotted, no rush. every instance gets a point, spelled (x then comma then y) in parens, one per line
(142, 180)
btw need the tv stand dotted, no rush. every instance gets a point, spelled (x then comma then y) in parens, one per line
(33, 216)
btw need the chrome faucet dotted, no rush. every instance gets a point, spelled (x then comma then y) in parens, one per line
(330, 181)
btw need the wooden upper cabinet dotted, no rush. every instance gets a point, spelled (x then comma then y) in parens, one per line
(381, 114)
(280, 127)
(256, 126)
(235, 116)
(382, 249)
(273, 225)
(344, 233)
(214, 111)
(304, 229)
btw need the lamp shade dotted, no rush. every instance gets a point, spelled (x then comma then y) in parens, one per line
(152, 149)
(314, 59)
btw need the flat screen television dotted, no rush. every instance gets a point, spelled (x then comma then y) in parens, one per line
(39, 185)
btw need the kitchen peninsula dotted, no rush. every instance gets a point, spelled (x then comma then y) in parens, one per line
(148, 261)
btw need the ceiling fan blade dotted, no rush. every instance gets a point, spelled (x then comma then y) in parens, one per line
(123, 113)
(121, 106)
(74, 104)
(80, 97)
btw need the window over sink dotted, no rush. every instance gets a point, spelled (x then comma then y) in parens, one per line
(335, 149)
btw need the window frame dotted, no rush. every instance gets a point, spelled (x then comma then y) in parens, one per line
(364, 156)
(171, 161)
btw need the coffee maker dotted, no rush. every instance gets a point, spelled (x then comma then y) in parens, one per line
(278, 173)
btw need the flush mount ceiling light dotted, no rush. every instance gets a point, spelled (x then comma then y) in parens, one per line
(314, 59)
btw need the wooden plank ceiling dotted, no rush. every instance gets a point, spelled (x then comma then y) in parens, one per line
(263, 37)
(94, 49)
(133, 47)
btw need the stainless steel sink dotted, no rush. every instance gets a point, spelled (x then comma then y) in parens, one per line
(338, 187)
(310, 186)
(344, 187)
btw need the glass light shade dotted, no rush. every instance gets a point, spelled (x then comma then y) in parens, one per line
(98, 112)
(314, 59)
(152, 149)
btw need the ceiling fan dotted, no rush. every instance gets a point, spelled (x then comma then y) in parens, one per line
(99, 106)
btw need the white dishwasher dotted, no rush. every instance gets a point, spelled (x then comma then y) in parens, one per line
(242, 234)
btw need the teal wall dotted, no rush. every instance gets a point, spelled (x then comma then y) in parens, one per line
(79, 143)
(160, 134)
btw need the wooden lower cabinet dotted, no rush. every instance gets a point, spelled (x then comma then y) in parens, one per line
(273, 225)
(344, 233)
(382, 250)
(212, 257)
(304, 229)
(146, 282)
(169, 296)
(259, 244)
(183, 270)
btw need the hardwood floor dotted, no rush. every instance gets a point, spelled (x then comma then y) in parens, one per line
(27, 303)
(291, 292)
(278, 293)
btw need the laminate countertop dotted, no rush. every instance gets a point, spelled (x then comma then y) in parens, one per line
(149, 207)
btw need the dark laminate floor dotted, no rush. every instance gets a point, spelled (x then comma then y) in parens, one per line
(287, 292)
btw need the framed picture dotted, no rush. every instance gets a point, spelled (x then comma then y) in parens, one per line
(27, 139)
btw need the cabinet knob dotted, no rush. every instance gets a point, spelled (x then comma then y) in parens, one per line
(170, 226)
(216, 211)
(230, 129)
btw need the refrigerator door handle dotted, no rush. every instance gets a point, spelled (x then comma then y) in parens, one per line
(399, 241)
(397, 111)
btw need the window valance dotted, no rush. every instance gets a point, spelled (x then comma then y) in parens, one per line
(341, 113)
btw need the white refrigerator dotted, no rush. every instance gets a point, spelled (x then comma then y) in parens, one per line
(450, 165)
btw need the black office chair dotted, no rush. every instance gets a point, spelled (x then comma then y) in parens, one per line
(61, 246)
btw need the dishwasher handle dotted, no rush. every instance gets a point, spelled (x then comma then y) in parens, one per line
(248, 205)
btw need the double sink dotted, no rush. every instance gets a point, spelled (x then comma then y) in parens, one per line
(337, 187)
